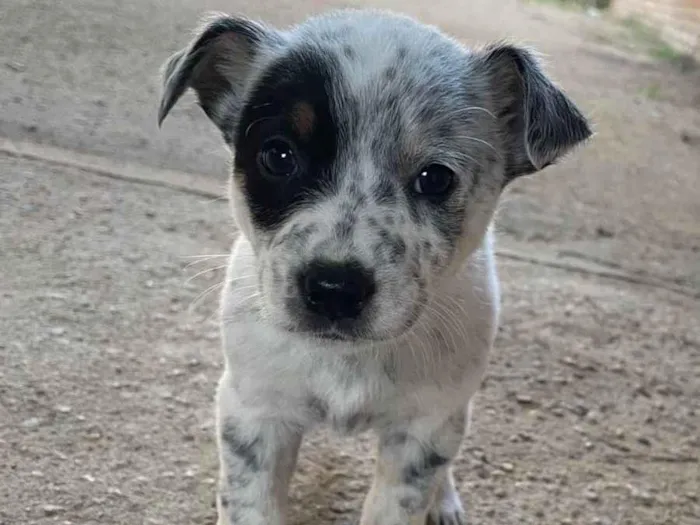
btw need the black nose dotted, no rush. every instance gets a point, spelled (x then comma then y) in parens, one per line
(336, 290)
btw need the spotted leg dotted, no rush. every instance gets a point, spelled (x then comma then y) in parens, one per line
(413, 483)
(257, 459)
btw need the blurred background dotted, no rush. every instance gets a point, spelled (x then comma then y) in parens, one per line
(111, 241)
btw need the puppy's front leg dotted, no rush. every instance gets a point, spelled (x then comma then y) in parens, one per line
(257, 458)
(413, 471)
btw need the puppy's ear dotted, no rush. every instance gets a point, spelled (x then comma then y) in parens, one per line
(216, 65)
(539, 121)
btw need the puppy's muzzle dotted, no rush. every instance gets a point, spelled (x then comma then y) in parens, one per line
(336, 291)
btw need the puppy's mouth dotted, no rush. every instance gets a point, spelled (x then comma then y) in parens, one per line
(332, 334)
(351, 335)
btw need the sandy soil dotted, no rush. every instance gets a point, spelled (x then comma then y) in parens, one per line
(590, 413)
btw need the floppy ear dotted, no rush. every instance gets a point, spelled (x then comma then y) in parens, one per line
(539, 121)
(217, 65)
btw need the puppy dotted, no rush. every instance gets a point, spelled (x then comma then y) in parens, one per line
(369, 154)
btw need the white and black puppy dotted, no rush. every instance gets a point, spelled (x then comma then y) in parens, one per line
(369, 153)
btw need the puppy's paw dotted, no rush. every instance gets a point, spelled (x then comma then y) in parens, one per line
(452, 517)
(448, 511)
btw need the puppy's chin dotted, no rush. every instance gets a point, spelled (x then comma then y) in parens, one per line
(351, 335)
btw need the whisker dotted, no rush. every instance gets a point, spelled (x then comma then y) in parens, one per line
(199, 261)
(197, 300)
(205, 256)
(261, 119)
(480, 141)
(470, 109)
(208, 270)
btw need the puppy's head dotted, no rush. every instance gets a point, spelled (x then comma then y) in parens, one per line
(369, 154)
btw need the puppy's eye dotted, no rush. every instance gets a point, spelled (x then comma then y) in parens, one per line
(434, 180)
(277, 158)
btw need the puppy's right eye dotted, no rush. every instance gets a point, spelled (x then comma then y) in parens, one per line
(277, 158)
(434, 180)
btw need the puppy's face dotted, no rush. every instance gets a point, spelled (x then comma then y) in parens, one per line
(370, 152)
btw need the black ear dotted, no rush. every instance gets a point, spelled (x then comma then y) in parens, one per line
(539, 121)
(217, 65)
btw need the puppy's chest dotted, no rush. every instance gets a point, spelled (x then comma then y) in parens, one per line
(347, 390)
(351, 394)
(346, 393)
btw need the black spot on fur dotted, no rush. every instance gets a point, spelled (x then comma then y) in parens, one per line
(384, 192)
(343, 228)
(449, 224)
(425, 466)
(233, 515)
(299, 76)
(276, 275)
(357, 421)
(352, 364)
(354, 190)
(411, 505)
(390, 73)
(391, 244)
(395, 439)
(297, 235)
(349, 52)
(242, 447)
(360, 203)
(318, 407)
(457, 422)
(418, 215)
(304, 233)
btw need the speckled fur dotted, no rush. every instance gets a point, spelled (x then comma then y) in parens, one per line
(403, 95)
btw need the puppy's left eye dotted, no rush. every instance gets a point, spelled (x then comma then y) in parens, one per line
(277, 158)
(434, 180)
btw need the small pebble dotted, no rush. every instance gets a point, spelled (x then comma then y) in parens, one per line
(52, 510)
(593, 417)
(591, 495)
(524, 399)
(32, 422)
(642, 440)
(643, 496)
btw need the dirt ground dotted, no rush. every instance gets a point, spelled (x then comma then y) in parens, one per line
(590, 413)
